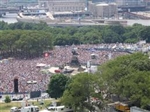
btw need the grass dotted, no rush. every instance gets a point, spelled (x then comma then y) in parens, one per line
(5, 107)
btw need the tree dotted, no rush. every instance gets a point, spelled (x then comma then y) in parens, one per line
(3, 25)
(132, 34)
(80, 90)
(23, 42)
(128, 76)
(92, 37)
(61, 39)
(7, 99)
(109, 36)
(119, 29)
(57, 85)
(139, 84)
(145, 33)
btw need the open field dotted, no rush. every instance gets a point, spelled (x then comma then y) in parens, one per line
(5, 107)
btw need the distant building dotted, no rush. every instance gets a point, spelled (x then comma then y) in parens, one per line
(132, 3)
(22, 0)
(107, 1)
(96, 1)
(2, 2)
(63, 5)
(103, 10)
(147, 2)
(17, 2)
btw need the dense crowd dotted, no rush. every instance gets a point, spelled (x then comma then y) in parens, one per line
(26, 70)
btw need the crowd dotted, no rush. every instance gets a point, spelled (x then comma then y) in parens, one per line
(26, 70)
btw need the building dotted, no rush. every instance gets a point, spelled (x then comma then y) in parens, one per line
(63, 5)
(130, 3)
(103, 10)
(147, 2)
(106, 1)
(2, 2)
(22, 1)
(12, 3)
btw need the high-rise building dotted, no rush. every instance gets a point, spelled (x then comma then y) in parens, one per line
(63, 5)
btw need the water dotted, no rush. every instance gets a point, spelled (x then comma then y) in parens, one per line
(9, 18)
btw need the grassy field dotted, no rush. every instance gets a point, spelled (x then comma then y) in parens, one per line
(5, 107)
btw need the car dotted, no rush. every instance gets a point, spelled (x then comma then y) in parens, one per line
(14, 109)
(17, 99)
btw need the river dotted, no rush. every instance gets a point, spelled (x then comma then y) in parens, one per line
(11, 18)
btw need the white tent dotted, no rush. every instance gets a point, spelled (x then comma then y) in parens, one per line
(40, 65)
(31, 82)
(52, 69)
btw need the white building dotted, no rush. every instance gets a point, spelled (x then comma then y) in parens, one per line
(103, 10)
(63, 5)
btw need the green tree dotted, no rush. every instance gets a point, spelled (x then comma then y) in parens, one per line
(145, 34)
(62, 39)
(109, 36)
(131, 37)
(132, 34)
(57, 85)
(119, 29)
(3, 25)
(79, 91)
(7, 99)
(25, 43)
(128, 76)
(92, 37)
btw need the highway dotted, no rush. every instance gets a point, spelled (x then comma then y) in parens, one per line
(74, 24)
(128, 23)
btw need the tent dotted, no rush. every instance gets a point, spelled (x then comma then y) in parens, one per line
(53, 69)
(39, 65)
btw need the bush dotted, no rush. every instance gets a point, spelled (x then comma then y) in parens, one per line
(7, 99)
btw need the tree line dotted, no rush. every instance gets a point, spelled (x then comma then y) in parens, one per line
(24, 43)
(30, 39)
(86, 34)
